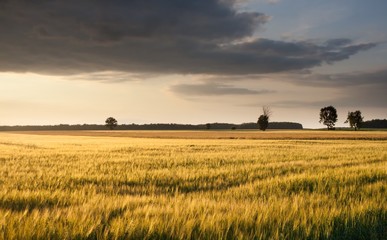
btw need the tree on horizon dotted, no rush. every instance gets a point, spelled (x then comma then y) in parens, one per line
(328, 116)
(263, 120)
(354, 119)
(111, 123)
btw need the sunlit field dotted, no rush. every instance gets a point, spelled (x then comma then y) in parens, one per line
(193, 185)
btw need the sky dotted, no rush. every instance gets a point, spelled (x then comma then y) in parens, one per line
(191, 61)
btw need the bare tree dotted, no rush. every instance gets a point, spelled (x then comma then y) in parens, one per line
(266, 111)
(263, 120)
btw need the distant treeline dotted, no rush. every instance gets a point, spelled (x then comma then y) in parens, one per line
(157, 126)
(375, 123)
(272, 125)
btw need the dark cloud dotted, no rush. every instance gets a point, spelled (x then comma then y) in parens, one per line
(337, 42)
(213, 89)
(175, 36)
(377, 78)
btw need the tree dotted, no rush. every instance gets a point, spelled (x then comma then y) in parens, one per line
(111, 123)
(354, 119)
(328, 116)
(263, 120)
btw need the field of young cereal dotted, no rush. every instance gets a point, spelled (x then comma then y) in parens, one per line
(183, 185)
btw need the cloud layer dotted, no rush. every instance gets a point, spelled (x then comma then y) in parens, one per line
(359, 88)
(213, 89)
(199, 37)
(352, 79)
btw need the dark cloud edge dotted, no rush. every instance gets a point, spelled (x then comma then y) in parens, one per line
(180, 37)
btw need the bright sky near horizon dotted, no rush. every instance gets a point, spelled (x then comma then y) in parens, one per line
(191, 61)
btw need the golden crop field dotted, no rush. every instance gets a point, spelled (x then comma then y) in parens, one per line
(193, 185)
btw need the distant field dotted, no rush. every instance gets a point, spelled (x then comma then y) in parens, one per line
(225, 134)
(193, 184)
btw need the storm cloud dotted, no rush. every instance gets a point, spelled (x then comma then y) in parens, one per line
(177, 36)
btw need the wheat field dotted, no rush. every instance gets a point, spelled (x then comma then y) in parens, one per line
(281, 185)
